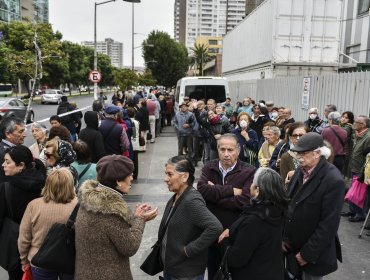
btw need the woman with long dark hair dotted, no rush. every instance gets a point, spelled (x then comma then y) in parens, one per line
(255, 239)
(26, 177)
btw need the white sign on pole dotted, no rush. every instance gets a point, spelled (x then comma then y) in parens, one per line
(306, 92)
(95, 76)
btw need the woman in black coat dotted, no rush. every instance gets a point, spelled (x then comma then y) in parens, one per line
(255, 239)
(26, 179)
(92, 136)
(142, 116)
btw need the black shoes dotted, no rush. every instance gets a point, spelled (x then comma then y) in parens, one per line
(347, 214)
(356, 219)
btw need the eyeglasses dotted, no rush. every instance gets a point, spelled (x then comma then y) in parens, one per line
(297, 135)
(359, 122)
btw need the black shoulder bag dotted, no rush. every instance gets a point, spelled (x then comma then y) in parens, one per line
(223, 272)
(84, 171)
(9, 232)
(153, 263)
(58, 252)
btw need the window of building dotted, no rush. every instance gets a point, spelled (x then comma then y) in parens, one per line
(212, 42)
(363, 6)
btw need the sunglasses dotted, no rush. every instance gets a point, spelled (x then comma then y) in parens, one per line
(47, 155)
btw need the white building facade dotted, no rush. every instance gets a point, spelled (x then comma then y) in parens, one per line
(211, 18)
(109, 47)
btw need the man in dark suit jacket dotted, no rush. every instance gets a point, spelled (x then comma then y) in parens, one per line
(316, 191)
(13, 132)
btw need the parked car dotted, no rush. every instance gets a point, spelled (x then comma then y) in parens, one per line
(51, 96)
(14, 107)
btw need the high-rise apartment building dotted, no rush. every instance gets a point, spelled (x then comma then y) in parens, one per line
(10, 10)
(109, 47)
(211, 18)
(24, 10)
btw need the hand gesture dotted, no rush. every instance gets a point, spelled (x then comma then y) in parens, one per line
(237, 191)
(223, 235)
(244, 133)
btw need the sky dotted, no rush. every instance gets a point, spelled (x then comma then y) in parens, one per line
(75, 20)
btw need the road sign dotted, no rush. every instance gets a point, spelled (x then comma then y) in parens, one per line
(95, 76)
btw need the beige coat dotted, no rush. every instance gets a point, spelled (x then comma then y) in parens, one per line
(107, 234)
(36, 223)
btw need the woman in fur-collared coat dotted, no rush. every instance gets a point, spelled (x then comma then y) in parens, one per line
(107, 232)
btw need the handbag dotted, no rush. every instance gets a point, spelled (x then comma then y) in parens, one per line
(223, 272)
(9, 255)
(27, 275)
(141, 141)
(57, 252)
(153, 263)
(356, 193)
(149, 136)
(250, 155)
(292, 269)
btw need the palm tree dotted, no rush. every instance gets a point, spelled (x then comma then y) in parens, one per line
(200, 57)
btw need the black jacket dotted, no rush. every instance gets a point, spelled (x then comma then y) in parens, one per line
(65, 107)
(191, 230)
(255, 244)
(25, 187)
(314, 216)
(111, 131)
(92, 136)
(142, 116)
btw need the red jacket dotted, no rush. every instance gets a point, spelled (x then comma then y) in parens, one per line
(220, 198)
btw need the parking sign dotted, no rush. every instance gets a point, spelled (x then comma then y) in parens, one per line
(94, 76)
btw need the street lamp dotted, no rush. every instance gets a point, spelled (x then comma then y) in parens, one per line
(133, 34)
(95, 53)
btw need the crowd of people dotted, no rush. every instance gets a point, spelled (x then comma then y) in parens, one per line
(269, 198)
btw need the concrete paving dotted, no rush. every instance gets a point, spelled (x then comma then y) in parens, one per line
(150, 188)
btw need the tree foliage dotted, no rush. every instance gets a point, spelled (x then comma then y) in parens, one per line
(20, 55)
(125, 78)
(200, 56)
(166, 59)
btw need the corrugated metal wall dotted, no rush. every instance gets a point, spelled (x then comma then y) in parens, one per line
(348, 91)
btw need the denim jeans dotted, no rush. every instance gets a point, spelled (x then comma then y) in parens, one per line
(45, 274)
(198, 277)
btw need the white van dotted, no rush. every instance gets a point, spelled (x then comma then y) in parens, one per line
(6, 90)
(198, 88)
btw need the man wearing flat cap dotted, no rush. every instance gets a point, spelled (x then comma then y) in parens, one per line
(316, 191)
(184, 122)
(114, 135)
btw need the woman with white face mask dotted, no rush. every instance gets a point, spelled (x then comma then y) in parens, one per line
(314, 123)
(248, 139)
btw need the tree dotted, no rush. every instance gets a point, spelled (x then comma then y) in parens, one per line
(200, 57)
(124, 78)
(19, 60)
(146, 78)
(167, 60)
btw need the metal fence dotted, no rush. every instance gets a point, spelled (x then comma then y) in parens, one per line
(348, 91)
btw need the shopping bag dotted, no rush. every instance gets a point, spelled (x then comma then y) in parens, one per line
(27, 275)
(356, 193)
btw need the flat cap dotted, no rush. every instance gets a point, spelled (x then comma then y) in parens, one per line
(309, 142)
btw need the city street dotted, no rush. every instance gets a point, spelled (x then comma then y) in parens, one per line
(151, 188)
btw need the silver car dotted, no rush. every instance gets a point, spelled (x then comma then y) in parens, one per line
(13, 107)
(51, 96)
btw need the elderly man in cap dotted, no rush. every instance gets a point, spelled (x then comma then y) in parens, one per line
(316, 191)
(114, 135)
(184, 122)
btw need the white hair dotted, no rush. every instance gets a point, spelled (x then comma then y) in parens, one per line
(324, 151)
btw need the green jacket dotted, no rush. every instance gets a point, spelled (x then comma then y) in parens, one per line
(358, 154)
